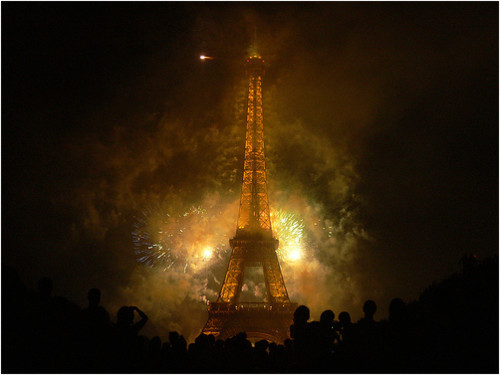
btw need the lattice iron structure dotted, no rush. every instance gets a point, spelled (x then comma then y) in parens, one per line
(254, 206)
(253, 244)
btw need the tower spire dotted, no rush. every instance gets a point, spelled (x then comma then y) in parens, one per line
(254, 204)
(253, 47)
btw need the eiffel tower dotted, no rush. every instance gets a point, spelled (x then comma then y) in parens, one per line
(253, 245)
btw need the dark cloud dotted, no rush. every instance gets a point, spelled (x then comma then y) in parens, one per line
(381, 135)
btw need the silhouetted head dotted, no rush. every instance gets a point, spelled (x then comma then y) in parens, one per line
(273, 346)
(301, 315)
(397, 310)
(246, 345)
(327, 317)
(211, 340)
(261, 345)
(241, 336)
(181, 343)
(344, 318)
(173, 336)
(202, 340)
(369, 308)
(125, 316)
(45, 287)
(155, 344)
(94, 297)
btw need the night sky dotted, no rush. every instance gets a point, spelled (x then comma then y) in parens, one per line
(381, 123)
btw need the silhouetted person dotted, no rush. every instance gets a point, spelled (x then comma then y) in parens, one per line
(154, 354)
(45, 308)
(49, 320)
(173, 336)
(95, 317)
(260, 357)
(242, 352)
(300, 318)
(166, 358)
(14, 319)
(327, 317)
(327, 335)
(200, 354)
(177, 342)
(345, 327)
(94, 297)
(368, 339)
(64, 332)
(346, 351)
(178, 352)
(127, 335)
(301, 333)
(218, 355)
(125, 320)
(328, 325)
(95, 327)
(369, 308)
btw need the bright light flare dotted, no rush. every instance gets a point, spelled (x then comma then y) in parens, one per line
(203, 57)
(294, 254)
(289, 230)
(207, 253)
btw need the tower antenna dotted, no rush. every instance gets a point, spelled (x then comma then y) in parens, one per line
(253, 48)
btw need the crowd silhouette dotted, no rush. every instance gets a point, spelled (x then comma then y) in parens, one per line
(453, 327)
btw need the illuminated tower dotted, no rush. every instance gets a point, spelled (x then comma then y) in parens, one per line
(253, 245)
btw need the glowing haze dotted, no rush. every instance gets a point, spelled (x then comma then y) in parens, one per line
(123, 149)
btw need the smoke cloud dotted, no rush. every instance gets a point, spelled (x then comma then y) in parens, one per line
(378, 123)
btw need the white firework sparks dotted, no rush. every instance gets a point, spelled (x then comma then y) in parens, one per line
(163, 240)
(289, 230)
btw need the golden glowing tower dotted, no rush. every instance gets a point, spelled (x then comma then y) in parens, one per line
(253, 244)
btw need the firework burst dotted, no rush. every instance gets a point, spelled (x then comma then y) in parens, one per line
(164, 240)
(289, 230)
